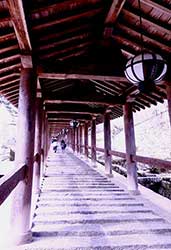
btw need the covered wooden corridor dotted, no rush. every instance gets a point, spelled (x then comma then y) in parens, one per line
(80, 208)
(64, 61)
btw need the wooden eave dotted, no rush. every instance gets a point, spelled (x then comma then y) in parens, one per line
(79, 49)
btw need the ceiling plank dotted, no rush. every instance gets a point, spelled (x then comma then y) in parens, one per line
(114, 11)
(20, 26)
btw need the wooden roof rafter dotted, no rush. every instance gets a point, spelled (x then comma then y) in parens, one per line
(86, 14)
(114, 11)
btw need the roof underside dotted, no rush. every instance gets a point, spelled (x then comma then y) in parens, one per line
(78, 59)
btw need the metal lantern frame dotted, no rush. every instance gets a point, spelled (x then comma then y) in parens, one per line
(146, 69)
(74, 123)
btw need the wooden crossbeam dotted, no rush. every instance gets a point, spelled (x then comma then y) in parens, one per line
(73, 112)
(61, 76)
(105, 103)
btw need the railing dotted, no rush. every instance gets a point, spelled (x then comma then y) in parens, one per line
(158, 163)
(9, 182)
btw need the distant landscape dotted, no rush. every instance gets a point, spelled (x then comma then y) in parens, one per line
(152, 132)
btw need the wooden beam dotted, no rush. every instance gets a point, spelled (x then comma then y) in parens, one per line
(114, 11)
(146, 39)
(87, 14)
(10, 181)
(9, 85)
(7, 78)
(64, 76)
(55, 9)
(80, 102)
(157, 6)
(9, 59)
(19, 22)
(9, 68)
(66, 50)
(70, 116)
(73, 112)
(149, 23)
(9, 48)
(106, 89)
(69, 31)
(69, 40)
(7, 37)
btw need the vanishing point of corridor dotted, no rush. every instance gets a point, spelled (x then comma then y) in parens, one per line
(80, 209)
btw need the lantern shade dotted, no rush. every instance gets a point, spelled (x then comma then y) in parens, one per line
(145, 67)
(74, 123)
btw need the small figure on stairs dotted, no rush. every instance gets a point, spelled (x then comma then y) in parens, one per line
(63, 145)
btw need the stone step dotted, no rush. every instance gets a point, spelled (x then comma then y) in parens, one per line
(90, 233)
(78, 209)
(85, 201)
(82, 198)
(90, 205)
(81, 185)
(48, 212)
(136, 241)
(106, 190)
(107, 216)
(97, 221)
(53, 195)
(108, 227)
(71, 186)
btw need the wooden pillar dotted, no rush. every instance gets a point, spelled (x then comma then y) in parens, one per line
(43, 142)
(77, 139)
(107, 144)
(93, 141)
(168, 89)
(86, 139)
(81, 139)
(21, 206)
(37, 148)
(46, 137)
(74, 139)
(130, 148)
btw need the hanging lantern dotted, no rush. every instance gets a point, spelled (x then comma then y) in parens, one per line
(145, 70)
(74, 123)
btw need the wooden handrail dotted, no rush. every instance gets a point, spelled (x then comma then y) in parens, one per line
(158, 163)
(9, 182)
(153, 161)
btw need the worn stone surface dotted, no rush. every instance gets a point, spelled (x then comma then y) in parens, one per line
(80, 209)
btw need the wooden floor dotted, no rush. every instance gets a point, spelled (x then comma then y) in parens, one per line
(80, 209)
